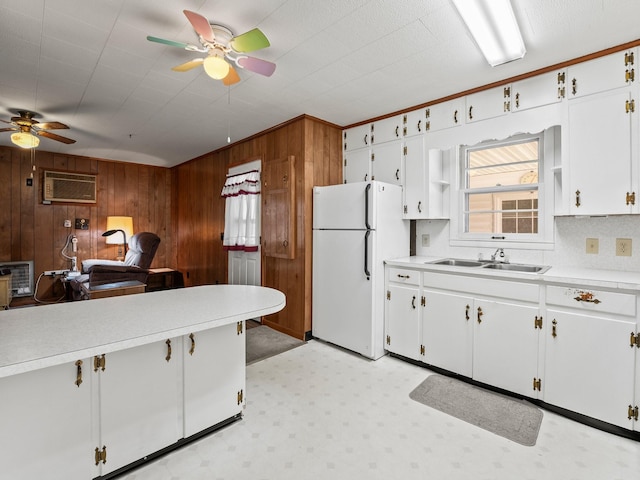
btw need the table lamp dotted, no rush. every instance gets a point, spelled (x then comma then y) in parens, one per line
(124, 225)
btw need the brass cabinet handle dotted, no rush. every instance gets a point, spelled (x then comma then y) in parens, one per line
(479, 317)
(168, 357)
(577, 198)
(413, 302)
(455, 116)
(574, 86)
(193, 343)
(397, 174)
(404, 276)
(366, 139)
(471, 112)
(466, 313)
(397, 128)
(79, 373)
(554, 333)
(419, 125)
(419, 207)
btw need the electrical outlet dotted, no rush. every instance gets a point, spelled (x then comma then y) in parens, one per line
(425, 240)
(593, 245)
(623, 247)
(53, 273)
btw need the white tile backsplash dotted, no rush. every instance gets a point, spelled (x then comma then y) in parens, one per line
(571, 234)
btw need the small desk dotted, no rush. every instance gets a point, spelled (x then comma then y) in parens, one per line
(164, 279)
(114, 289)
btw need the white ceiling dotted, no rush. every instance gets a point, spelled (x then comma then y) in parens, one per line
(87, 63)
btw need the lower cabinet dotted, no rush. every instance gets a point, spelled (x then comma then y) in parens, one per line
(92, 417)
(590, 358)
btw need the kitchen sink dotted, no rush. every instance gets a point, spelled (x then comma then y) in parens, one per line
(514, 267)
(455, 262)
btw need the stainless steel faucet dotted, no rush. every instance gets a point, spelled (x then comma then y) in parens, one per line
(499, 253)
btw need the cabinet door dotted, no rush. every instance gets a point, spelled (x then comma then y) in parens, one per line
(445, 115)
(505, 346)
(357, 166)
(447, 331)
(279, 208)
(386, 130)
(589, 366)
(387, 162)
(356, 137)
(46, 424)
(214, 362)
(538, 91)
(403, 321)
(414, 123)
(488, 104)
(601, 74)
(415, 179)
(600, 139)
(139, 409)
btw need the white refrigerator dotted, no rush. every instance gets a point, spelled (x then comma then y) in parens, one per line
(356, 226)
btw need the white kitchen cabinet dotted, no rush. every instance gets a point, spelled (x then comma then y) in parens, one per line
(403, 313)
(41, 405)
(424, 180)
(386, 130)
(601, 74)
(590, 362)
(505, 345)
(356, 138)
(356, 165)
(602, 148)
(447, 327)
(139, 402)
(214, 382)
(415, 122)
(538, 91)
(490, 103)
(386, 162)
(445, 115)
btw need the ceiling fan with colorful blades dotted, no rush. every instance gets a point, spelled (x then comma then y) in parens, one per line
(27, 130)
(222, 49)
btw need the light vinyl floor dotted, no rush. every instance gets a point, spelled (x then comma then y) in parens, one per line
(318, 412)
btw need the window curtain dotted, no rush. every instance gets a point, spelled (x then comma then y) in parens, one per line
(242, 212)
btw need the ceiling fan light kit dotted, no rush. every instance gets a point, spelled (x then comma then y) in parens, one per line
(25, 140)
(494, 28)
(222, 49)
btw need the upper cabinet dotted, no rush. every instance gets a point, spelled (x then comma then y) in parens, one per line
(386, 130)
(356, 137)
(601, 74)
(415, 123)
(488, 104)
(538, 91)
(444, 115)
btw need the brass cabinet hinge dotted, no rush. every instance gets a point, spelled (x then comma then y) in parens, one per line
(240, 396)
(422, 349)
(406, 209)
(239, 328)
(537, 322)
(506, 92)
(631, 198)
(345, 162)
(561, 92)
(537, 383)
(373, 157)
(561, 77)
(388, 294)
(404, 119)
(634, 340)
(633, 412)
(404, 150)
(507, 106)
(629, 75)
(630, 106)
(99, 362)
(628, 59)
(101, 455)
(423, 301)
(388, 340)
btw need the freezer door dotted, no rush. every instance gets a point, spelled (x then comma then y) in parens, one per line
(343, 309)
(349, 206)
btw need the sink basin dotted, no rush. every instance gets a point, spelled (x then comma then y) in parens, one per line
(514, 267)
(454, 262)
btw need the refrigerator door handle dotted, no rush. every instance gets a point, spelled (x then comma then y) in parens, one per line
(366, 254)
(366, 206)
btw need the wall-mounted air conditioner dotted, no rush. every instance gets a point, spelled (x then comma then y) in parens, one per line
(69, 187)
(21, 277)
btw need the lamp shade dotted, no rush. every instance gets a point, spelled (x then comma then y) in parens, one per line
(25, 140)
(119, 223)
(216, 67)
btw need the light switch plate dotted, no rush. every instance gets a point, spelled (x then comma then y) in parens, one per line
(425, 240)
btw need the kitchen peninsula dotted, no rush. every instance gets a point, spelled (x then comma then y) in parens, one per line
(88, 389)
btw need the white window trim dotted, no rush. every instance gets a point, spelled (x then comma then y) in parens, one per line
(544, 239)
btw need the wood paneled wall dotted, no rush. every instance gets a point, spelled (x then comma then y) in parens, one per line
(30, 230)
(199, 222)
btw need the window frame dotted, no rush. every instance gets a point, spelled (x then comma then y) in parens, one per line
(548, 152)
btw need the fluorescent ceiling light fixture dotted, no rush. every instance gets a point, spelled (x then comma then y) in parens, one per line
(494, 28)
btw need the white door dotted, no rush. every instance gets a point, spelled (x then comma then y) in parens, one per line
(244, 267)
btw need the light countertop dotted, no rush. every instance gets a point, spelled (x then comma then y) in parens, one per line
(575, 276)
(37, 337)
